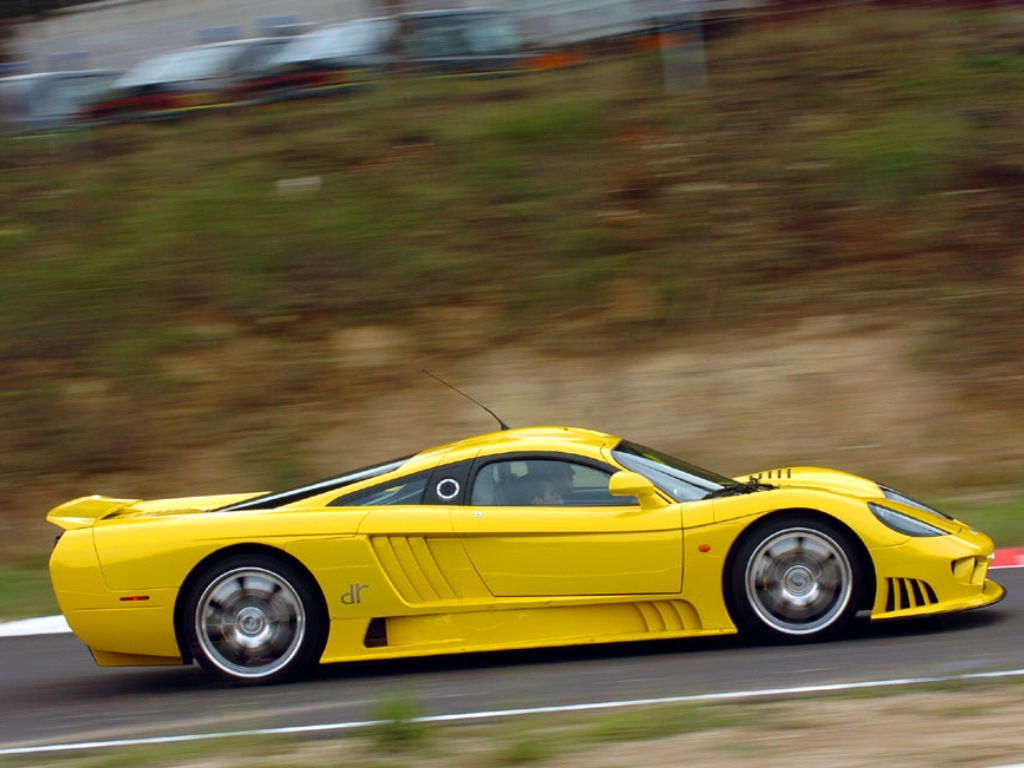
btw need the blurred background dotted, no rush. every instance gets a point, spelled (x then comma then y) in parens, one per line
(753, 234)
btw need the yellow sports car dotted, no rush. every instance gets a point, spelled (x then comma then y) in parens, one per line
(527, 537)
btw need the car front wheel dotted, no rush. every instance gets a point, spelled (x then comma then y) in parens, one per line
(253, 619)
(796, 579)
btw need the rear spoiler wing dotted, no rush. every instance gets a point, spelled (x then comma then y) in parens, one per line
(85, 511)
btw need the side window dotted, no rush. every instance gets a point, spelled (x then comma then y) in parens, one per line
(530, 482)
(405, 490)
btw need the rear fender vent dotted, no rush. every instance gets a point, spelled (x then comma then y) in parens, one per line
(902, 594)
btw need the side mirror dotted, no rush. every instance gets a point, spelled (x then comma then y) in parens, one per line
(634, 484)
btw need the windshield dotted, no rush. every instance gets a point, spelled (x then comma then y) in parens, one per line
(680, 479)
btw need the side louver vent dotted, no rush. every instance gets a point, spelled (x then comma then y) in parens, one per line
(775, 474)
(411, 564)
(660, 616)
(902, 594)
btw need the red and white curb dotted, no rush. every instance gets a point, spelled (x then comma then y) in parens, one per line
(1009, 558)
(55, 625)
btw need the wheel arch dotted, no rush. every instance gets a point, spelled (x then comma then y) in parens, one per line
(867, 597)
(230, 551)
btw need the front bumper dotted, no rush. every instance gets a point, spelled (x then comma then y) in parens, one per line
(932, 575)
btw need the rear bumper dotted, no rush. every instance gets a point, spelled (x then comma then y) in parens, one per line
(110, 622)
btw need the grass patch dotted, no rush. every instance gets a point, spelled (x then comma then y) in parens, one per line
(397, 728)
(430, 192)
(660, 722)
(525, 750)
(1003, 520)
(899, 158)
(25, 592)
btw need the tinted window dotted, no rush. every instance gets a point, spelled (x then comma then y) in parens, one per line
(460, 35)
(405, 490)
(77, 91)
(274, 500)
(542, 482)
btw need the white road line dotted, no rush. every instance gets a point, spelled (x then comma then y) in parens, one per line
(767, 693)
(46, 625)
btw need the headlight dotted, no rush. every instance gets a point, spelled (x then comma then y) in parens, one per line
(905, 524)
(901, 498)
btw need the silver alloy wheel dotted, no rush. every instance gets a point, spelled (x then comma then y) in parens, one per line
(799, 581)
(250, 622)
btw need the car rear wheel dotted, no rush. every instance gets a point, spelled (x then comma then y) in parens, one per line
(796, 578)
(253, 618)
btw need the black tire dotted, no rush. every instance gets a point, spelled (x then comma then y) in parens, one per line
(254, 618)
(795, 578)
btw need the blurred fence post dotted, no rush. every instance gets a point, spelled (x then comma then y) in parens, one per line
(396, 55)
(684, 63)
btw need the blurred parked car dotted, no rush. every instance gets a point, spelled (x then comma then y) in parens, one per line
(464, 41)
(196, 78)
(476, 41)
(332, 57)
(44, 101)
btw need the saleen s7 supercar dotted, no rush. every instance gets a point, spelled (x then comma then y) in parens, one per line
(528, 537)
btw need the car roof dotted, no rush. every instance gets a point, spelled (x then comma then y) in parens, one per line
(524, 439)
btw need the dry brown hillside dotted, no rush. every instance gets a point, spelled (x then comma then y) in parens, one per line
(815, 260)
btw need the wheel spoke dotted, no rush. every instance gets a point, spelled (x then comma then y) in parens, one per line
(250, 622)
(799, 581)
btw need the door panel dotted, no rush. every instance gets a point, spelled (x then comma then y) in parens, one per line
(564, 551)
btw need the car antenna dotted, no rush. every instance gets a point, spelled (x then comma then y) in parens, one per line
(503, 425)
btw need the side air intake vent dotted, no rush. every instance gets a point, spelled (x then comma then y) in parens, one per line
(902, 594)
(376, 633)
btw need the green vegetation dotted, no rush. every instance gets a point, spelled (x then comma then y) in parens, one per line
(25, 592)
(475, 192)
(398, 726)
(999, 518)
(647, 724)
(171, 292)
(525, 750)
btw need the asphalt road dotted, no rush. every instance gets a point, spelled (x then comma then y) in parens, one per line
(51, 692)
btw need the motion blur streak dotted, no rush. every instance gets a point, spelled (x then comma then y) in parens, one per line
(768, 693)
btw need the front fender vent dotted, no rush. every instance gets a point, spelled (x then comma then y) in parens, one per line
(902, 594)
